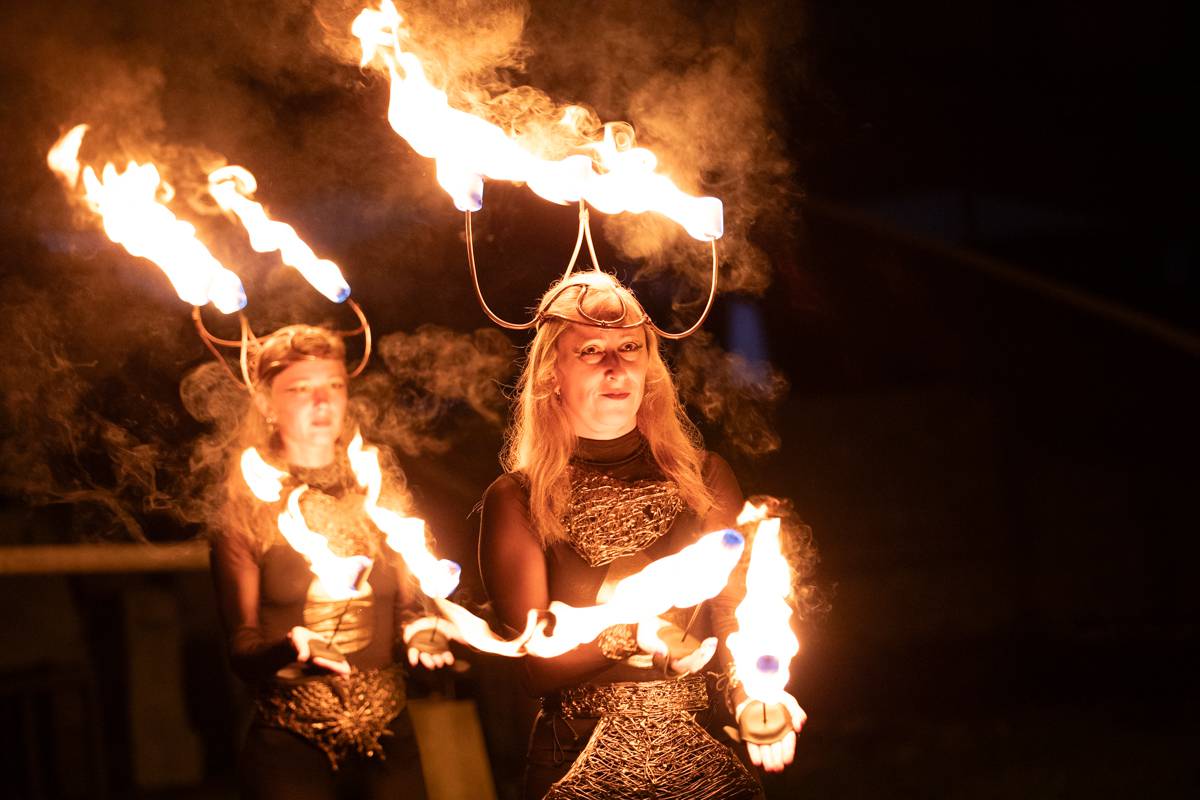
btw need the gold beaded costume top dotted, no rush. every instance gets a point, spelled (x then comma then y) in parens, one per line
(614, 726)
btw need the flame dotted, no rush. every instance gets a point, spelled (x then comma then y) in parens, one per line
(340, 577)
(694, 574)
(468, 149)
(128, 203)
(232, 188)
(473, 631)
(405, 535)
(764, 644)
(265, 481)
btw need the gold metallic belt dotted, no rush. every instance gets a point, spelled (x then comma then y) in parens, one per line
(689, 693)
(343, 715)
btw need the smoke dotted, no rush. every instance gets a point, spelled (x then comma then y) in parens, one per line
(435, 379)
(74, 429)
(102, 350)
(730, 393)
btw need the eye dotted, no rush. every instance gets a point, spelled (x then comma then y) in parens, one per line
(298, 388)
(591, 354)
(339, 385)
(629, 350)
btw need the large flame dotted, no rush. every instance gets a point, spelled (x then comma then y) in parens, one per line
(468, 149)
(405, 535)
(694, 574)
(341, 577)
(133, 217)
(232, 188)
(764, 644)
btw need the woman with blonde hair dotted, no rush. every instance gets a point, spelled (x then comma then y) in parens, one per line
(330, 718)
(605, 473)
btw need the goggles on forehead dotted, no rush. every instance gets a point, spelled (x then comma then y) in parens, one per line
(616, 321)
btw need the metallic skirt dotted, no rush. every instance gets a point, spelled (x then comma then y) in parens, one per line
(647, 744)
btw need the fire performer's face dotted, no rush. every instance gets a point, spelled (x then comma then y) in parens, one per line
(307, 402)
(601, 376)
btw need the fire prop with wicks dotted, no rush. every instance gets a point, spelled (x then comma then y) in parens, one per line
(131, 204)
(764, 643)
(614, 176)
(682, 580)
(232, 187)
(437, 577)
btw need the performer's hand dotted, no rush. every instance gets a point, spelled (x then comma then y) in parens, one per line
(774, 755)
(300, 637)
(428, 640)
(683, 654)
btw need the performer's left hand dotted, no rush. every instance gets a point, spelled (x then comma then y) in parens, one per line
(428, 640)
(773, 756)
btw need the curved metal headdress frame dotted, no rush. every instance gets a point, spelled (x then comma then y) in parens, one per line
(249, 340)
(585, 234)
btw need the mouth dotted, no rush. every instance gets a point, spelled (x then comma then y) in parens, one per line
(615, 395)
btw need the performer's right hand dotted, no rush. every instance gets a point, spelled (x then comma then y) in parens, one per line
(300, 637)
(684, 656)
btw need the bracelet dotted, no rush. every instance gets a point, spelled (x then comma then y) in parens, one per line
(618, 642)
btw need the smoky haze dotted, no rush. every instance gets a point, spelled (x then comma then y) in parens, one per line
(102, 349)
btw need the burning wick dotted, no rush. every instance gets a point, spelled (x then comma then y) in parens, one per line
(232, 188)
(687, 578)
(128, 202)
(467, 148)
(764, 643)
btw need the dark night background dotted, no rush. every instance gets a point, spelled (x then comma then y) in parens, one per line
(977, 220)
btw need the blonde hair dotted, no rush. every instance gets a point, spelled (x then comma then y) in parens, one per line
(540, 440)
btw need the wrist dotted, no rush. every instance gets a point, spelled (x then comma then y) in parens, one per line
(618, 642)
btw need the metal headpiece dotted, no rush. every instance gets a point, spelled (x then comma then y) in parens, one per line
(585, 235)
(303, 343)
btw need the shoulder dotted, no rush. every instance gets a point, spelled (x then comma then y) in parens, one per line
(508, 488)
(716, 469)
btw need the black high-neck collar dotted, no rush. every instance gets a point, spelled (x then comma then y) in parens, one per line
(610, 451)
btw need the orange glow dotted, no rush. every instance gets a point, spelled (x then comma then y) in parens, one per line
(134, 217)
(265, 482)
(694, 574)
(340, 577)
(764, 644)
(232, 188)
(469, 629)
(468, 149)
(405, 535)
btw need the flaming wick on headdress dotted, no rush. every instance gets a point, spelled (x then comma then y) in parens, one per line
(135, 218)
(232, 187)
(616, 176)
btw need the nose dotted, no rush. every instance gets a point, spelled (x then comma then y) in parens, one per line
(320, 396)
(614, 366)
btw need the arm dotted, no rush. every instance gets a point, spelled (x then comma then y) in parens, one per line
(728, 500)
(514, 576)
(235, 574)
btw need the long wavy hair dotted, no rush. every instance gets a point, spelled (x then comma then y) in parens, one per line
(540, 440)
